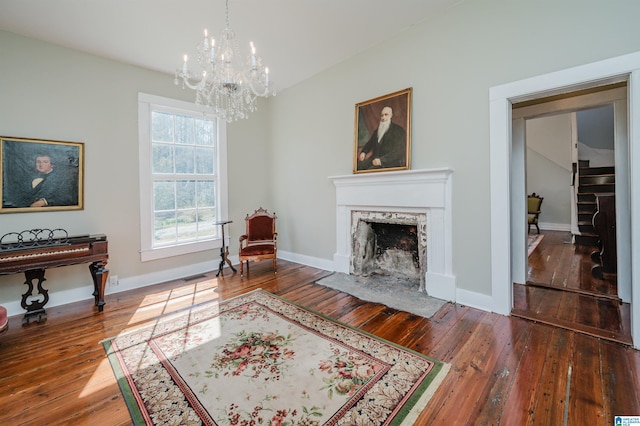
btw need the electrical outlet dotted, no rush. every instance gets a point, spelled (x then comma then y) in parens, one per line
(113, 280)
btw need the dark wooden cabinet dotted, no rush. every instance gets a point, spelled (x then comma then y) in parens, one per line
(604, 222)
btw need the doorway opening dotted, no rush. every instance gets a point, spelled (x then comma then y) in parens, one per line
(508, 189)
(569, 159)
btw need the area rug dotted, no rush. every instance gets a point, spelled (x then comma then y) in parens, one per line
(532, 242)
(391, 292)
(258, 359)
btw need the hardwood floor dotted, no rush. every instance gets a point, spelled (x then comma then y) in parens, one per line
(556, 263)
(561, 291)
(504, 370)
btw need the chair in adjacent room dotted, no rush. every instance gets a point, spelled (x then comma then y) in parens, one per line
(259, 241)
(534, 202)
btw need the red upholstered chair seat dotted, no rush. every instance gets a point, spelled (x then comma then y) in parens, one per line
(4, 320)
(257, 250)
(259, 240)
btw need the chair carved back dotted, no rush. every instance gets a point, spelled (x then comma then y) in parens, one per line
(261, 226)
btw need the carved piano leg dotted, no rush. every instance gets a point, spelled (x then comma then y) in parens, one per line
(99, 273)
(34, 307)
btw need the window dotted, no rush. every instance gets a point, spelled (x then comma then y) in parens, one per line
(183, 182)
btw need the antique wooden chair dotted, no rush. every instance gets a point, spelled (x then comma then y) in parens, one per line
(533, 211)
(259, 241)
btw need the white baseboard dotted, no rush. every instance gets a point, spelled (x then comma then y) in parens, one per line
(158, 277)
(547, 226)
(341, 263)
(474, 300)
(314, 262)
(77, 294)
(57, 298)
(441, 286)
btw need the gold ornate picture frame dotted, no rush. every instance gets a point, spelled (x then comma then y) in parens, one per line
(41, 175)
(383, 133)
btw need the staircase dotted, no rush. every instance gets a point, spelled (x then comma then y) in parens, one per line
(592, 180)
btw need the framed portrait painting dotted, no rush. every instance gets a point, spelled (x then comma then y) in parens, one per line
(40, 175)
(383, 133)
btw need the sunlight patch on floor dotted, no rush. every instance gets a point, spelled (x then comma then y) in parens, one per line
(101, 378)
(156, 308)
(173, 300)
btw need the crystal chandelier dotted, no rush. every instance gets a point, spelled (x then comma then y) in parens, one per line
(227, 83)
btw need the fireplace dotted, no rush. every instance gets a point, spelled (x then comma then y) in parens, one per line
(415, 199)
(389, 244)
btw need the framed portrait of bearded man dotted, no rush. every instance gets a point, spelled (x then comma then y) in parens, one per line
(383, 133)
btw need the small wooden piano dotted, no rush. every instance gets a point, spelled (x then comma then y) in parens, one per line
(33, 251)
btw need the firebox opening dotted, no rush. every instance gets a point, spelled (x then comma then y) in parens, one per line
(387, 249)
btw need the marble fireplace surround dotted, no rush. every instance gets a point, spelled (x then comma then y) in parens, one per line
(426, 191)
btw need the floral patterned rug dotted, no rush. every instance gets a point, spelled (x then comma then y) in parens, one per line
(258, 359)
(532, 242)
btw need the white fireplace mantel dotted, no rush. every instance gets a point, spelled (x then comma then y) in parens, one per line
(413, 191)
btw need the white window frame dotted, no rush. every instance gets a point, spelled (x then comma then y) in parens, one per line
(146, 104)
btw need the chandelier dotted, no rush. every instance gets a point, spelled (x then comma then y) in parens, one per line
(227, 83)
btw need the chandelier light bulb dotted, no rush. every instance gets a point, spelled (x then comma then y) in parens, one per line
(229, 84)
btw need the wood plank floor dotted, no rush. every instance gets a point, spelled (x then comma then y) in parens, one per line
(504, 370)
(561, 291)
(557, 263)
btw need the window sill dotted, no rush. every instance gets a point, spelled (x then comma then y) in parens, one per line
(178, 250)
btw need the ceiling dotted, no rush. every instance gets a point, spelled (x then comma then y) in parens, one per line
(296, 38)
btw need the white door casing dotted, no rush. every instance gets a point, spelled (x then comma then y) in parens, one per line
(504, 190)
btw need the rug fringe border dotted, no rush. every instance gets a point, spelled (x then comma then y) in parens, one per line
(137, 416)
(432, 386)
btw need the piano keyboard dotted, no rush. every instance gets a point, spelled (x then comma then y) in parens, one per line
(41, 254)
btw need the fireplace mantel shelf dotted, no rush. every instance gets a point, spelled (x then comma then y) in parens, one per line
(403, 175)
(412, 191)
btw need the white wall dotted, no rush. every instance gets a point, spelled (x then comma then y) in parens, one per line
(450, 62)
(549, 168)
(49, 92)
(282, 156)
